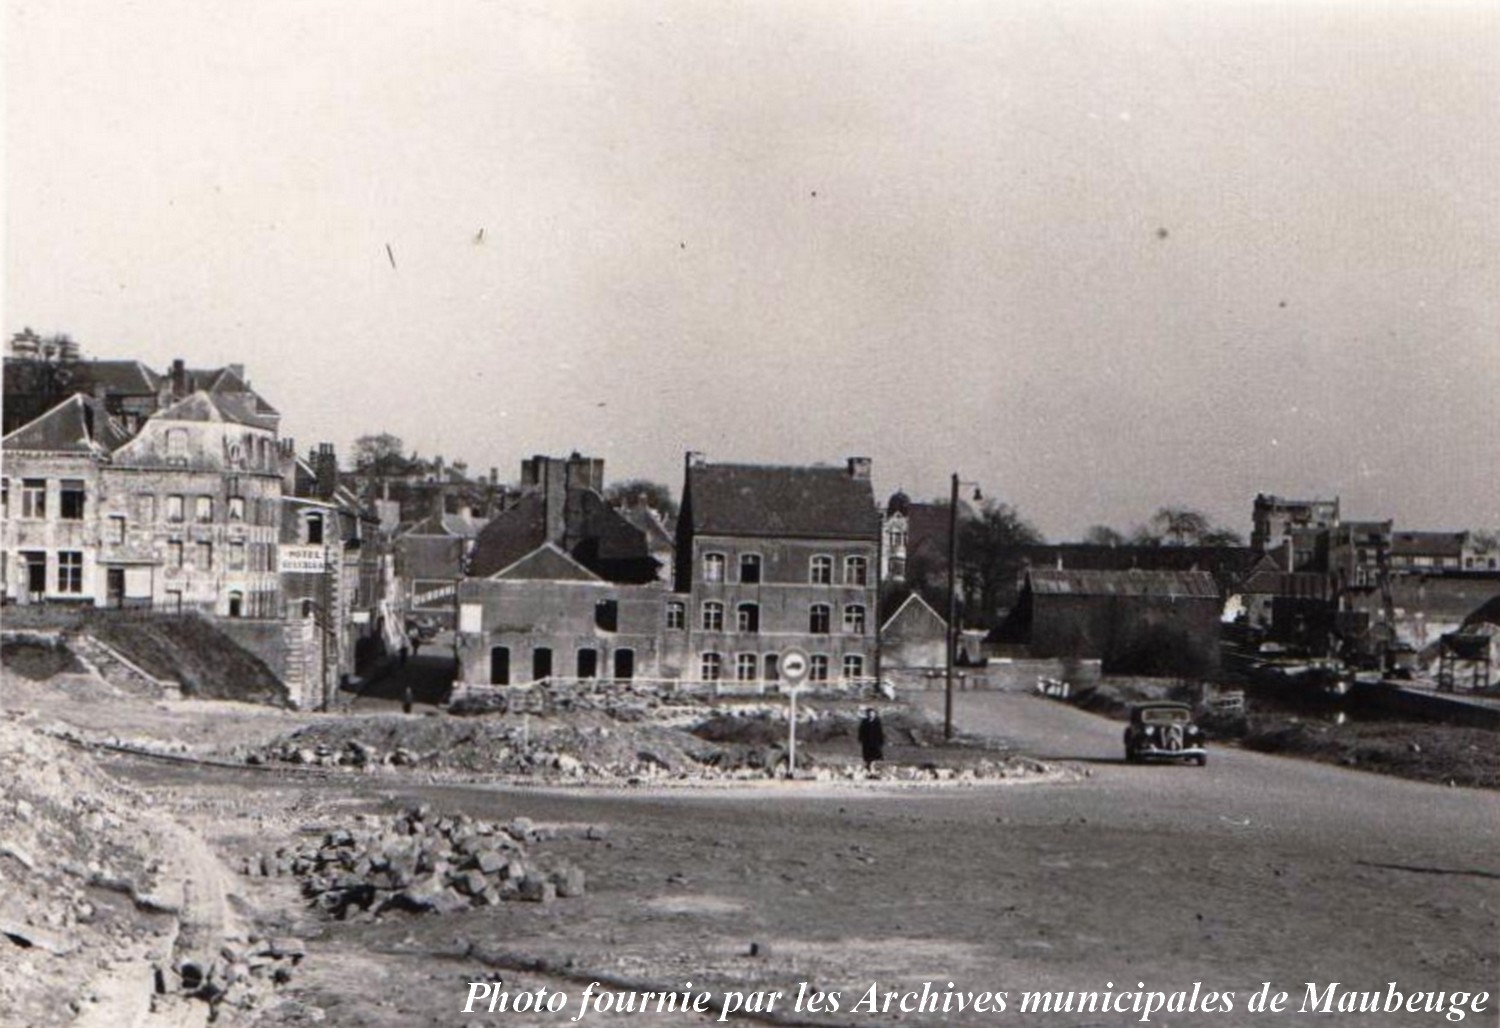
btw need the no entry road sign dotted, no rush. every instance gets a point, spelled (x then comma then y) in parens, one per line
(794, 664)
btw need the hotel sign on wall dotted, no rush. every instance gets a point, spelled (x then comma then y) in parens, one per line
(300, 559)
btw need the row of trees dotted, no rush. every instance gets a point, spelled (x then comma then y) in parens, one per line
(1169, 526)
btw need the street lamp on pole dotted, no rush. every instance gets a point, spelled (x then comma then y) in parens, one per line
(951, 650)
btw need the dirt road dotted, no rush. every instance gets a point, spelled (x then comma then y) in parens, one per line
(1254, 869)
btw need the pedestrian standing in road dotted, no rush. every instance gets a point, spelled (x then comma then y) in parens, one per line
(406, 700)
(402, 659)
(416, 642)
(871, 738)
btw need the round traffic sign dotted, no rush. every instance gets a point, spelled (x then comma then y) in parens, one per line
(794, 664)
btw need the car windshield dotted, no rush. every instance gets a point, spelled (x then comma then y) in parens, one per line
(1164, 716)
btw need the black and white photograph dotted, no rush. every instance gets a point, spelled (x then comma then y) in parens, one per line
(788, 513)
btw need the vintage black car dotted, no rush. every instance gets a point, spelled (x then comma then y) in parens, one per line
(1164, 730)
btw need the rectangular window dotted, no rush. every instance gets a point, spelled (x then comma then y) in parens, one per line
(713, 567)
(315, 532)
(819, 619)
(821, 571)
(145, 508)
(854, 666)
(33, 498)
(174, 553)
(236, 508)
(205, 557)
(747, 617)
(177, 444)
(176, 508)
(116, 529)
(676, 614)
(712, 668)
(70, 499)
(713, 616)
(236, 556)
(69, 572)
(817, 670)
(750, 568)
(174, 601)
(4, 498)
(854, 619)
(744, 667)
(856, 571)
(203, 509)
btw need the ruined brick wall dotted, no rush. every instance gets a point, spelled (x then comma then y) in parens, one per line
(562, 617)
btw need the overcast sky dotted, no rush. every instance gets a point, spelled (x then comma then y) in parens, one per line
(1098, 257)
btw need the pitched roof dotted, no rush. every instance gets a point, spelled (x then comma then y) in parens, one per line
(118, 378)
(766, 501)
(1172, 584)
(206, 406)
(1428, 544)
(509, 536)
(546, 563)
(649, 521)
(913, 608)
(77, 425)
(230, 381)
(1230, 565)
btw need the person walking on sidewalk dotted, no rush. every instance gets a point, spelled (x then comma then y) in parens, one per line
(871, 738)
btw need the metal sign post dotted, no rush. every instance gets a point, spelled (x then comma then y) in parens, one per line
(793, 666)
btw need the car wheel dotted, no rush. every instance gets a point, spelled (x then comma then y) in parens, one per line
(1201, 761)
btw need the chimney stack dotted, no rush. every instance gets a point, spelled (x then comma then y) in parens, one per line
(859, 468)
(179, 379)
(326, 471)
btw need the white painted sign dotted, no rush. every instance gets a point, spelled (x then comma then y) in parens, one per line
(794, 664)
(300, 560)
(470, 618)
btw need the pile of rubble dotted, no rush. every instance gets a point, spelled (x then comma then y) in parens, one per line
(420, 863)
(245, 975)
(352, 753)
(77, 878)
(585, 745)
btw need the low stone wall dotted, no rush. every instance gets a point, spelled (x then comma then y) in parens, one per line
(1000, 674)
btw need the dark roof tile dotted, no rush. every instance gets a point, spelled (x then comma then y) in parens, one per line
(766, 501)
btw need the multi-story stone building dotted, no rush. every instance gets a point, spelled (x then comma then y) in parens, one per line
(1292, 527)
(50, 494)
(771, 559)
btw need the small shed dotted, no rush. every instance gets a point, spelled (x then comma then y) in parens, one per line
(915, 636)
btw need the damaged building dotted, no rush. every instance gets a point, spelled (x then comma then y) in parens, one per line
(561, 585)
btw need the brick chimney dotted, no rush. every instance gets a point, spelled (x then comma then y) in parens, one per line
(326, 471)
(179, 379)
